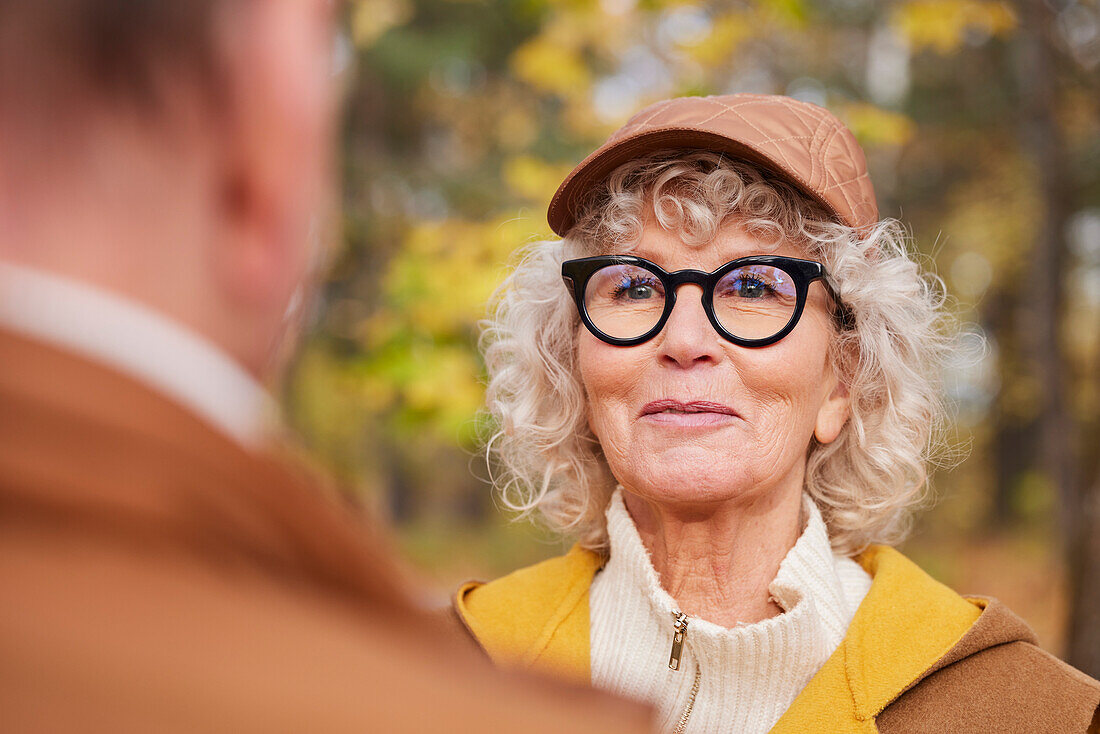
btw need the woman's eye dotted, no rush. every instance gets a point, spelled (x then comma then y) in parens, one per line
(750, 288)
(635, 290)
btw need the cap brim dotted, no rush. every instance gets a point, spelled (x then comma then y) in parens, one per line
(598, 166)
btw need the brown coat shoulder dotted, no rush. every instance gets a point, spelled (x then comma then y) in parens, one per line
(157, 577)
(997, 679)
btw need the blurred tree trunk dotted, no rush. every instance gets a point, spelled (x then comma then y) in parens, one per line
(1078, 501)
(1083, 650)
(1044, 283)
(1014, 430)
(1013, 452)
(400, 492)
(1084, 627)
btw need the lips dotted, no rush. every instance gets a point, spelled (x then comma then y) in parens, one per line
(698, 408)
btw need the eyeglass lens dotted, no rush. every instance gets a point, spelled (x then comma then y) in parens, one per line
(750, 302)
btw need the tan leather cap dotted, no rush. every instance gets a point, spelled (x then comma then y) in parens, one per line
(799, 141)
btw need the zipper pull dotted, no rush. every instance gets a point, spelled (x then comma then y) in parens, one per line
(680, 626)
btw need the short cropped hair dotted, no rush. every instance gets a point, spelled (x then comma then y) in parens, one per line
(117, 49)
(547, 462)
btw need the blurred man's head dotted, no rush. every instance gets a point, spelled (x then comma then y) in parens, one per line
(177, 153)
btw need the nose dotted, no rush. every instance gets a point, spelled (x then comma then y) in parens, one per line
(688, 339)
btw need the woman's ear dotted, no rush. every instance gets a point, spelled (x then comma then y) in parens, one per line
(833, 413)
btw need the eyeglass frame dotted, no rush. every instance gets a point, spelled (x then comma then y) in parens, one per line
(576, 274)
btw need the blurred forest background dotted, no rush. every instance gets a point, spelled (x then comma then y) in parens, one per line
(981, 123)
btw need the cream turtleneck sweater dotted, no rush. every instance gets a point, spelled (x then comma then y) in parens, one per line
(730, 680)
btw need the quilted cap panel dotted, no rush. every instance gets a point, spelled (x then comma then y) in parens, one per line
(802, 142)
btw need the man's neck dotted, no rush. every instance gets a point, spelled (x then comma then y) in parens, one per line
(101, 326)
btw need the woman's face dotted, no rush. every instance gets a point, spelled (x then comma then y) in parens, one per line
(758, 409)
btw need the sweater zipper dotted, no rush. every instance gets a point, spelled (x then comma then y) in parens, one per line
(681, 725)
(679, 631)
(679, 627)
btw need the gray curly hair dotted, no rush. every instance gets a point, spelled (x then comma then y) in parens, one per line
(546, 460)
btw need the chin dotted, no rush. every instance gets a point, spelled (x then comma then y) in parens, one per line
(688, 483)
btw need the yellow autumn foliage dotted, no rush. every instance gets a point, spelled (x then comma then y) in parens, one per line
(726, 34)
(516, 128)
(371, 18)
(874, 126)
(942, 25)
(551, 66)
(532, 178)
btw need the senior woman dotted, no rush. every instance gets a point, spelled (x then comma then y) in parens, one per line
(722, 379)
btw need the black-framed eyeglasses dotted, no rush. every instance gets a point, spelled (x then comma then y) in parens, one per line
(752, 301)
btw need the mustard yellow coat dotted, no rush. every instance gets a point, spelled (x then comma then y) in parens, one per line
(907, 637)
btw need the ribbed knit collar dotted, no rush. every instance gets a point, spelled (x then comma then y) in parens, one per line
(751, 672)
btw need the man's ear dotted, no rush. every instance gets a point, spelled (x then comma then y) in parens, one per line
(253, 259)
(276, 131)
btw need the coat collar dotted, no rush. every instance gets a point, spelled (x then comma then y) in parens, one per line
(94, 452)
(907, 626)
(536, 617)
(138, 341)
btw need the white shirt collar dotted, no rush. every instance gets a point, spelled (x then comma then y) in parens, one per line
(140, 343)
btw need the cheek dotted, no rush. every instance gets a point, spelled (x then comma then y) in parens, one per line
(610, 376)
(784, 409)
(790, 383)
